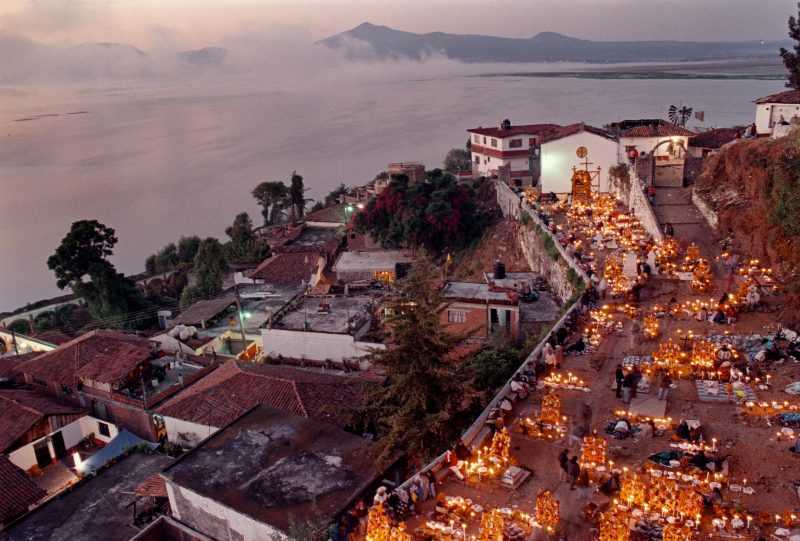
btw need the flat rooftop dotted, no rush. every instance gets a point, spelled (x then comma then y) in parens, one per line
(474, 291)
(513, 280)
(276, 468)
(256, 310)
(97, 509)
(371, 260)
(344, 314)
(316, 237)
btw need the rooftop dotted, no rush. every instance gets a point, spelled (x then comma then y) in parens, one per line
(9, 364)
(522, 129)
(222, 396)
(99, 355)
(202, 311)
(276, 467)
(334, 214)
(288, 268)
(715, 138)
(376, 260)
(341, 315)
(96, 509)
(664, 129)
(573, 129)
(787, 96)
(310, 238)
(17, 492)
(23, 408)
(477, 292)
(167, 528)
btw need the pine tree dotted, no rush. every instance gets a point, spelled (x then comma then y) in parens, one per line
(414, 411)
(791, 59)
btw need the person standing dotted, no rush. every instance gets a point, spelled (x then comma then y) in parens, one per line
(573, 471)
(619, 376)
(664, 385)
(563, 463)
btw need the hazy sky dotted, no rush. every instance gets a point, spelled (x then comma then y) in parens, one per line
(181, 23)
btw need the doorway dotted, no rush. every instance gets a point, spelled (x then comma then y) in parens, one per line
(42, 452)
(58, 445)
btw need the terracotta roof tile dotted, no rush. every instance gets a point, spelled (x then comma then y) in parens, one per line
(522, 129)
(100, 355)
(788, 96)
(17, 491)
(154, 486)
(715, 138)
(289, 268)
(228, 392)
(331, 214)
(9, 364)
(572, 129)
(21, 409)
(662, 130)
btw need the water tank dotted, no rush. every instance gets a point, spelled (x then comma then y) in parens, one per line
(505, 124)
(499, 270)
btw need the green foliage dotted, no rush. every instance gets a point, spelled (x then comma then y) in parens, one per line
(526, 219)
(151, 264)
(187, 248)
(491, 368)
(550, 248)
(210, 267)
(791, 58)
(575, 280)
(167, 258)
(83, 254)
(19, 326)
(457, 159)
(297, 196)
(273, 197)
(438, 214)
(415, 409)
(244, 246)
(784, 193)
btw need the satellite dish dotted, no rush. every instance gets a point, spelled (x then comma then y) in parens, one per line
(582, 152)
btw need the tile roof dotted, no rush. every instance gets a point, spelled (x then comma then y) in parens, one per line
(288, 268)
(715, 138)
(662, 130)
(332, 214)
(100, 355)
(522, 129)
(53, 337)
(787, 96)
(154, 486)
(572, 129)
(232, 389)
(23, 408)
(205, 310)
(9, 364)
(17, 491)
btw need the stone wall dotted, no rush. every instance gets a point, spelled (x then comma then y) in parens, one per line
(632, 195)
(705, 209)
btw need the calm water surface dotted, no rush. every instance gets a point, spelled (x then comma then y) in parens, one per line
(158, 162)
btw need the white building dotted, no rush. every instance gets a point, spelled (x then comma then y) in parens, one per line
(541, 154)
(669, 142)
(774, 113)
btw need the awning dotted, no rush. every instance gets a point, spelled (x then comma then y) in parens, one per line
(113, 449)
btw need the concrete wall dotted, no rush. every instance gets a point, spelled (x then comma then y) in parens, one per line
(476, 319)
(508, 200)
(769, 114)
(73, 433)
(705, 209)
(25, 344)
(558, 159)
(632, 196)
(186, 433)
(215, 519)
(315, 346)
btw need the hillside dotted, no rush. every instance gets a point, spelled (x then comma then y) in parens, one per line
(387, 43)
(754, 187)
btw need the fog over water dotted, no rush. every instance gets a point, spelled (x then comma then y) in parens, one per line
(162, 157)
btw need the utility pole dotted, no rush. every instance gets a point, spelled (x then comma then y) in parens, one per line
(239, 312)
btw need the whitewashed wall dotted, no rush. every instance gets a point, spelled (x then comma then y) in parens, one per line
(315, 346)
(558, 159)
(186, 433)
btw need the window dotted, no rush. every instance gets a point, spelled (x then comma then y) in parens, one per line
(477, 139)
(515, 143)
(456, 316)
(494, 143)
(103, 429)
(484, 140)
(477, 159)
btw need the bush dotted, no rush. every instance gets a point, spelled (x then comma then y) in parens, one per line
(491, 368)
(784, 196)
(19, 326)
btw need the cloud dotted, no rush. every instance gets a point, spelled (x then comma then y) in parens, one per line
(58, 19)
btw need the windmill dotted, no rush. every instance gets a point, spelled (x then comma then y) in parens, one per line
(680, 115)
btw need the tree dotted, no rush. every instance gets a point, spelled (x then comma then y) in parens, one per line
(20, 326)
(210, 267)
(457, 159)
(679, 115)
(151, 264)
(414, 410)
(80, 263)
(244, 246)
(791, 59)
(272, 197)
(187, 248)
(297, 196)
(167, 258)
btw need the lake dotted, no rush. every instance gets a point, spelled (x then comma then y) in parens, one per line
(157, 161)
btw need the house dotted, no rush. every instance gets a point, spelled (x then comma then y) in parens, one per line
(18, 493)
(372, 266)
(415, 171)
(559, 156)
(710, 141)
(268, 470)
(295, 269)
(15, 343)
(541, 155)
(322, 330)
(35, 429)
(166, 528)
(204, 313)
(515, 147)
(336, 215)
(116, 376)
(479, 310)
(657, 148)
(223, 395)
(775, 113)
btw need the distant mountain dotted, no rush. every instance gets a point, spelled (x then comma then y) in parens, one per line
(384, 43)
(207, 56)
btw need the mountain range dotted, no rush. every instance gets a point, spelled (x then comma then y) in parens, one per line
(384, 43)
